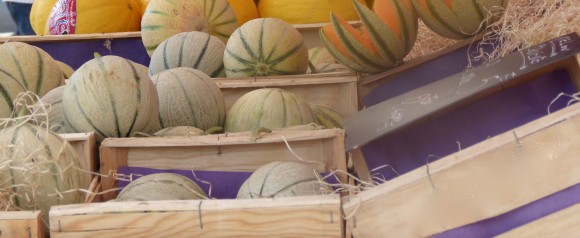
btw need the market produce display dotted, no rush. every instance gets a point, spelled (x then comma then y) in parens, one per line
(51, 104)
(282, 179)
(386, 37)
(188, 97)
(270, 108)
(112, 96)
(163, 19)
(263, 47)
(195, 49)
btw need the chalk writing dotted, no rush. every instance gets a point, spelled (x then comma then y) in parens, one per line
(423, 99)
(394, 116)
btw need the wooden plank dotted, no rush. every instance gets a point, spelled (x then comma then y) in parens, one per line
(565, 223)
(86, 147)
(480, 182)
(458, 90)
(77, 37)
(225, 152)
(336, 90)
(318, 216)
(21, 224)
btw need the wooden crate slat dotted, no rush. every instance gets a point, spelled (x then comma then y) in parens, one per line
(21, 224)
(482, 181)
(318, 216)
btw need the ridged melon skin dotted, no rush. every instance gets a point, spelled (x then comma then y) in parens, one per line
(24, 67)
(197, 50)
(161, 186)
(112, 96)
(388, 34)
(51, 164)
(52, 102)
(188, 97)
(271, 108)
(459, 19)
(164, 18)
(281, 179)
(263, 47)
(66, 70)
(327, 117)
(319, 55)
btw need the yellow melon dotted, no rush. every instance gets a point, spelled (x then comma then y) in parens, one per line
(307, 11)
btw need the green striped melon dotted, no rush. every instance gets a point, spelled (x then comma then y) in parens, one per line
(112, 96)
(37, 166)
(388, 34)
(165, 18)
(271, 108)
(282, 179)
(51, 106)
(24, 67)
(319, 55)
(161, 186)
(459, 19)
(66, 70)
(327, 117)
(265, 46)
(188, 97)
(198, 50)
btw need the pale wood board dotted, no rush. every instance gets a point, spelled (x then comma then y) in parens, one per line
(564, 223)
(317, 216)
(482, 181)
(336, 90)
(225, 152)
(21, 224)
(86, 147)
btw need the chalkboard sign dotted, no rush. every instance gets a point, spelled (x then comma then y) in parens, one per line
(403, 110)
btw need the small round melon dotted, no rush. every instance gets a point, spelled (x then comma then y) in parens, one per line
(263, 47)
(66, 70)
(282, 179)
(112, 96)
(327, 117)
(196, 49)
(52, 103)
(161, 186)
(318, 55)
(271, 108)
(188, 97)
(24, 67)
(38, 164)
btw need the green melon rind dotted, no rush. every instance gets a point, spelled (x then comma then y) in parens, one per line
(345, 60)
(443, 22)
(327, 116)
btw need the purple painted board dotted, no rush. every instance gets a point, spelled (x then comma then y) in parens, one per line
(76, 53)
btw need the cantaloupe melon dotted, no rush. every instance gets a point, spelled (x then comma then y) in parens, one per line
(66, 70)
(39, 169)
(161, 186)
(24, 67)
(282, 179)
(195, 49)
(327, 117)
(388, 34)
(245, 10)
(164, 18)
(188, 97)
(271, 108)
(112, 96)
(265, 46)
(52, 103)
(459, 19)
(319, 55)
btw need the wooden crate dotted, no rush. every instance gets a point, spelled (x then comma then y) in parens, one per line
(224, 152)
(318, 216)
(21, 224)
(477, 183)
(86, 147)
(336, 90)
